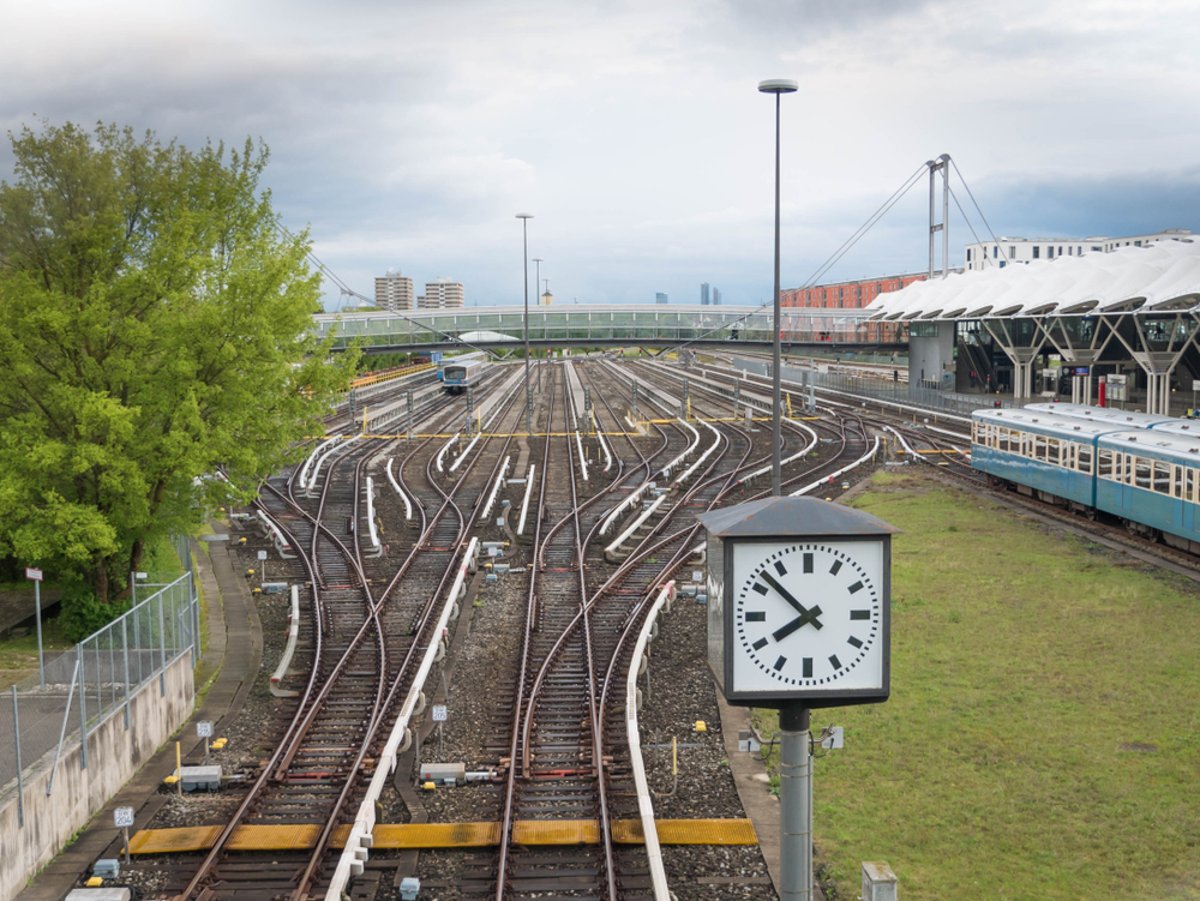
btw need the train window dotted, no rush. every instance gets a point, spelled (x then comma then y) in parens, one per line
(1083, 457)
(1143, 473)
(1161, 480)
(1106, 468)
(1121, 469)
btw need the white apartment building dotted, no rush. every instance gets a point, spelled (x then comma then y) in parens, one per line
(442, 294)
(1012, 251)
(394, 292)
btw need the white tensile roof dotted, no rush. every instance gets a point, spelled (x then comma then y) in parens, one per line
(1164, 277)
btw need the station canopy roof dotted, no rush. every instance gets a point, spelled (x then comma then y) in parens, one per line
(1162, 277)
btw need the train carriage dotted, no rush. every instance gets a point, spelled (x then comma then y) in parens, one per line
(1049, 456)
(1147, 475)
(1151, 479)
(458, 376)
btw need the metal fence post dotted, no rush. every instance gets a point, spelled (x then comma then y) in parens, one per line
(20, 776)
(82, 706)
(125, 649)
(194, 604)
(162, 645)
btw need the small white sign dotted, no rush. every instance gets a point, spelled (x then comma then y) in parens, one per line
(1196, 384)
(440, 713)
(123, 817)
(34, 574)
(204, 728)
(262, 555)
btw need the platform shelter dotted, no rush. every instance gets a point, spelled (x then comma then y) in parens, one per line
(1113, 327)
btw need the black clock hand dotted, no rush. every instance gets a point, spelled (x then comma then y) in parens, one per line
(806, 615)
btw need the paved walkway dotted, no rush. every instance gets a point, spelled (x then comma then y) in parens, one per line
(230, 663)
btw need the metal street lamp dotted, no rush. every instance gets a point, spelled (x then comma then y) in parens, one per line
(525, 217)
(776, 86)
(795, 761)
(537, 298)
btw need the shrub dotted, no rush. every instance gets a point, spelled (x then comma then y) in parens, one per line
(81, 613)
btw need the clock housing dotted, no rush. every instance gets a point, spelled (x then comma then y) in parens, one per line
(799, 603)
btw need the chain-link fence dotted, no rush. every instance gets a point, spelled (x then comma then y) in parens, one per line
(854, 381)
(96, 679)
(929, 396)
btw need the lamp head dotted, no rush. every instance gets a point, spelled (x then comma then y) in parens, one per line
(778, 86)
(524, 215)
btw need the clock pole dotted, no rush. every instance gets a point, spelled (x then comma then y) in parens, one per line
(799, 618)
(795, 802)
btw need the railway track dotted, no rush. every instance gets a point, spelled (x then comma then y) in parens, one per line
(598, 551)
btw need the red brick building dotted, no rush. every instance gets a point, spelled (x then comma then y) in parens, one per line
(852, 295)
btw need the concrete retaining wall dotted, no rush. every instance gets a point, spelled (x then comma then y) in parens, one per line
(114, 754)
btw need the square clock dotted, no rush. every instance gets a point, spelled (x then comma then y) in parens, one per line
(799, 603)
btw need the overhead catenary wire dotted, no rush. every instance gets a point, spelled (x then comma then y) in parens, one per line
(975, 203)
(883, 209)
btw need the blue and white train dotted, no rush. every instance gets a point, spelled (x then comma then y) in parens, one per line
(458, 376)
(1144, 471)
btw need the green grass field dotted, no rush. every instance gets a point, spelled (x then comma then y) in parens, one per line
(1042, 739)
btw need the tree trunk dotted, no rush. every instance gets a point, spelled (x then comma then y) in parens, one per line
(136, 552)
(100, 580)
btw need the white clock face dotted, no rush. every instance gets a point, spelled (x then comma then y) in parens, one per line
(808, 616)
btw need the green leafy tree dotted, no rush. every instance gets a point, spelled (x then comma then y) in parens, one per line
(155, 328)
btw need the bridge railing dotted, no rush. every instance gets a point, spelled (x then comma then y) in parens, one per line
(493, 326)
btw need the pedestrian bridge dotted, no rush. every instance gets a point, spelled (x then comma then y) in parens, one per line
(613, 325)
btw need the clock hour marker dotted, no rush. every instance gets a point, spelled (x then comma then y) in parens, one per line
(779, 663)
(806, 665)
(780, 568)
(856, 587)
(837, 565)
(834, 662)
(860, 614)
(808, 563)
(854, 642)
(760, 644)
(761, 588)
(756, 616)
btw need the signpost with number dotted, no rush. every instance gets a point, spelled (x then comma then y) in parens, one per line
(123, 819)
(262, 568)
(440, 714)
(35, 576)
(204, 729)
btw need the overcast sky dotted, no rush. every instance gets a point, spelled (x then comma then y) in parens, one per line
(407, 135)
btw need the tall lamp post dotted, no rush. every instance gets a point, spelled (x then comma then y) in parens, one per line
(776, 86)
(537, 299)
(525, 217)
